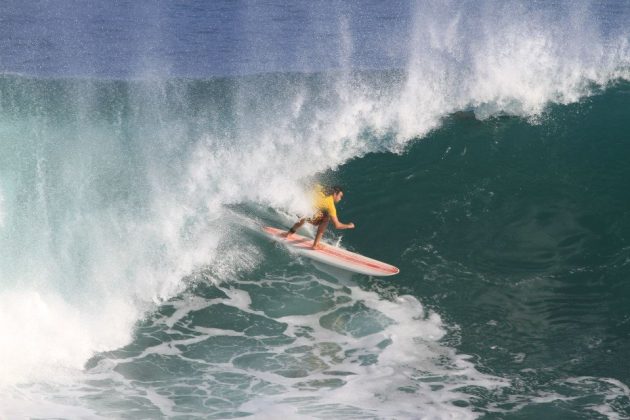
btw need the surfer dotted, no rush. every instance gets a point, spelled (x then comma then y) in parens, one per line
(325, 211)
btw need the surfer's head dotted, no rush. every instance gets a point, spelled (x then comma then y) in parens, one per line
(337, 193)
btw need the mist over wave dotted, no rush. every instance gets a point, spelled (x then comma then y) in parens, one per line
(113, 191)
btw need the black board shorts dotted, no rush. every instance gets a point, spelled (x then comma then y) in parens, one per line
(317, 217)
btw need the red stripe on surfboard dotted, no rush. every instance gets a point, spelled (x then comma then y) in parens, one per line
(302, 242)
(305, 243)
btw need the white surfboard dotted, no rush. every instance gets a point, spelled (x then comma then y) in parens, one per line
(332, 255)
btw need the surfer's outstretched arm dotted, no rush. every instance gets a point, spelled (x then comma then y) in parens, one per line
(339, 225)
(322, 227)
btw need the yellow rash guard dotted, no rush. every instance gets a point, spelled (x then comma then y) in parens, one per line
(324, 203)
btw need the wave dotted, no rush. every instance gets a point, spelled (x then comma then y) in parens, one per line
(113, 191)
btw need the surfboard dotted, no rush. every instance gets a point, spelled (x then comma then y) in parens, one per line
(332, 255)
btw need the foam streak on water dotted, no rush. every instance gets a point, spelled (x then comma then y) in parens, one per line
(349, 353)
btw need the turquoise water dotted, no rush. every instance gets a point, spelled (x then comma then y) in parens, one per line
(483, 151)
(510, 234)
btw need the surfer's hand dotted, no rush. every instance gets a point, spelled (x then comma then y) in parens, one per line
(350, 225)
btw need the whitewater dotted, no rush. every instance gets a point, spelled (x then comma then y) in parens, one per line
(135, 281)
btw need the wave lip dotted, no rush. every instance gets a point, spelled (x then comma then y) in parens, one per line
(511, 58)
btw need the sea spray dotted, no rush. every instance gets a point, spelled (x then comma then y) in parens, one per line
(115, 191)
(44, 336)
(2, 211)
(122, 196)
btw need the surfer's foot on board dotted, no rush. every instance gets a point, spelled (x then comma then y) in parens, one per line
(318, 246)
(288, 234)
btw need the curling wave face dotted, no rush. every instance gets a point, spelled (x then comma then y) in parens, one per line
(114, 192)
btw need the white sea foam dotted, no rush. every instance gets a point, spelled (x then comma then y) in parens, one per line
(400, 369)
(605, 396)
(409, 366)
(43, 336)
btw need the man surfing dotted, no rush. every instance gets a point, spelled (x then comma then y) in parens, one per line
(325, 211)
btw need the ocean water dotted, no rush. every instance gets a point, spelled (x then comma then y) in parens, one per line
(483, 147)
